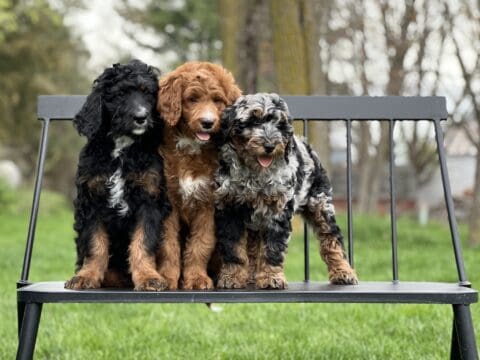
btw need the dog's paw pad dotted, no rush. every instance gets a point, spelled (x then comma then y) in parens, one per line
(271, 281)
(227, 282)
(82, 282)
(152, 285)
(232, 278)
(199, 282)
(170, 281)
(344, 278)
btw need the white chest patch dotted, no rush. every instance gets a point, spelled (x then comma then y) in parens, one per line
(194, 188)
(115, 186)
(116, 182)
(121, 143)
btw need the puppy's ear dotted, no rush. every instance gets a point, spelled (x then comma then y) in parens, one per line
(89, 119)
(288, 149)
(169, 103)
(232, 91)
(228, 120)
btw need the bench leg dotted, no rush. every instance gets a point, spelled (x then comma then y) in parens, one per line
(20, 313)
(463, 334)
(28, 333)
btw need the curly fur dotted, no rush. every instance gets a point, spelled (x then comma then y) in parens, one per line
(121, 200)
(191, 100)
(266, 175)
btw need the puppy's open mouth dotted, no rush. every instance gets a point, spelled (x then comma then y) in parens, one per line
(265, 161)
(202, 136)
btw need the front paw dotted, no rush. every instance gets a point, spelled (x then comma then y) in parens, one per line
(266, 280)
(170, 278)
(232, 277)
(153, 284)
(82, 282)
(345, 276)
(197, 282)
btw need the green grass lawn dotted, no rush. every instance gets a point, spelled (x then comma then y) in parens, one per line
(244, 331)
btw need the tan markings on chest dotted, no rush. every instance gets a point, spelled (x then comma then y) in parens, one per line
(149, 181)
(96, 185)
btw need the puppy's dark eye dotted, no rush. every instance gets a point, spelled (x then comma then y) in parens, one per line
(193, 99)
(218, 101)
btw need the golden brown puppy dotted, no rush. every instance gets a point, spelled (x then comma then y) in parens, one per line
(191, 101)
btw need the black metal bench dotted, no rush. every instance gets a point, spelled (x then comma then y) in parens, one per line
(32, 296)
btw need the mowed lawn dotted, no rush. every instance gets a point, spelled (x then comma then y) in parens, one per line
(244, 331)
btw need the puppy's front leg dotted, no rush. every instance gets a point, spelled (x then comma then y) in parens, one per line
(169, 257)
(321, 215)
(269, 273)
(142, 252)
(232, 245)
(94, 266)
(198, 250)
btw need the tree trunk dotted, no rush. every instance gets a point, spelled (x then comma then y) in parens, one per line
(289, 48)
(400, 44)
(315, 14)
(297, 62)
(365, 160)
(474, 221)
(231, 21)
(250, 39)
(365, 163)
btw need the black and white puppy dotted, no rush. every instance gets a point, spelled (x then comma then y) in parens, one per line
(121, 199)
(266, 175)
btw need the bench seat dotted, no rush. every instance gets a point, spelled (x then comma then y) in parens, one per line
(297, 292)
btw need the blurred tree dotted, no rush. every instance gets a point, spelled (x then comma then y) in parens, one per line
(38, 56)
(385, 47)
(232, 19)
(423, 78)
(189, 29)
(243, 25)
(466, 41)
(291, 66)
(296, 52)
(8, 23)
(395, 26)
(315, 16)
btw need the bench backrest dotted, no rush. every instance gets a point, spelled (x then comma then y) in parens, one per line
(305, 109)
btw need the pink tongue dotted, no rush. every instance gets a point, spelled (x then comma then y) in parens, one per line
(265, 161)
(203, 136)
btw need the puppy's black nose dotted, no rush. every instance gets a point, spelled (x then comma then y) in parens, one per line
(206, 123)
(140, 120)
(269, 148)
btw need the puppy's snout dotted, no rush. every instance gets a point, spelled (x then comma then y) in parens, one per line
(140, 116)
(207, 123)
(269, 148)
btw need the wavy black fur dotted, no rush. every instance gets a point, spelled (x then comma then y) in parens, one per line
(266, 174)
(120, 182)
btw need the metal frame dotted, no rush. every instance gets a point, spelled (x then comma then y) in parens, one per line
(31, 297)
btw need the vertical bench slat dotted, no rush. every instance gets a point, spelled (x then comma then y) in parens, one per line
(36, 200)
(306, 248)
(349, 192)
(457, 248)
(393, 204)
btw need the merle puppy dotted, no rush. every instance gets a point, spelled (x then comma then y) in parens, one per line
(121, 201)
(266, 175)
